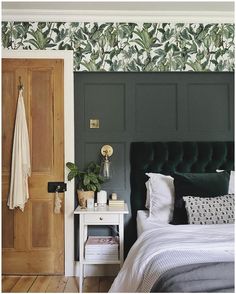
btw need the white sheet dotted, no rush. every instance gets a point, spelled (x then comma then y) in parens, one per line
(143, 222)
(141, 219)
(168, 246)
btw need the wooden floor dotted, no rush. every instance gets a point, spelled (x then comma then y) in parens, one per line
(51, 284)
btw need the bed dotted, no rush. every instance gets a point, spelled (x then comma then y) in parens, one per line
(170, 254)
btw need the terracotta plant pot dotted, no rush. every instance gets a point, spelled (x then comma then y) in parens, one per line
(83, 196)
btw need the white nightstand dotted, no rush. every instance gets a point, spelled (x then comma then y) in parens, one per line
(99, 216)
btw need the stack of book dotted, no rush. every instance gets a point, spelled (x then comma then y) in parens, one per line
(116, 203)
(99, 248)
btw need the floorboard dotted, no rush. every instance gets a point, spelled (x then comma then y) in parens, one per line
(54, 284)
(8, 282)
(23, 284)
(91, 285)
(40, 284)
(105, 284)
(72, 285)
(57, 284)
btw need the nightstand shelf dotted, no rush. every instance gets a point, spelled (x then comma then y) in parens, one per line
(100, 216)
(102, 262)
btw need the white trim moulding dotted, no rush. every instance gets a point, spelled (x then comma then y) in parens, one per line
(35, 15)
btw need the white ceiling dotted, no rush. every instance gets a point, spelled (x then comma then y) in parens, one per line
(131, 5)
(119, 11)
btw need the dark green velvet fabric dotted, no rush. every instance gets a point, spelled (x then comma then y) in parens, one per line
(197, 184)
(169, 157)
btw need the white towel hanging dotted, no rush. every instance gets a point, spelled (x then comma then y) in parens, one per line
(20, 166)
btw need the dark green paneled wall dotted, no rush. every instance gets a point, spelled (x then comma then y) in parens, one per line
(148, 107)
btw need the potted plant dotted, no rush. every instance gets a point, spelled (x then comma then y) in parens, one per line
(89, 181)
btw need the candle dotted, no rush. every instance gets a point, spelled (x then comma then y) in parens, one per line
(90, 203)
(114, 196)
(102, 198)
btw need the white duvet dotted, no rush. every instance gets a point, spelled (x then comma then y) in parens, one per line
(168, 246)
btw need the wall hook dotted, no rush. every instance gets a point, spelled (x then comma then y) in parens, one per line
(20, 87)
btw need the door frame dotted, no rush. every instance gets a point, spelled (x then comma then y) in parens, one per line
(67, 56)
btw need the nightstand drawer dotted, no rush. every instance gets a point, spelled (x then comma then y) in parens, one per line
(101, 218)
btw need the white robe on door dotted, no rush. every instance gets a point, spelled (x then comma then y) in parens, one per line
(20, 166)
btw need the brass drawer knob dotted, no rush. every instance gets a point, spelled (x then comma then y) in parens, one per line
(101, 218)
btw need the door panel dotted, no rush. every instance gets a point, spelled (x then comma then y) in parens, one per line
(42, 224)
(7, 227)
(42, 121)
(33, 240)
(8, 116)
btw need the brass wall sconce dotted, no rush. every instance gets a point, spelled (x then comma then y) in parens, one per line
(106, 166)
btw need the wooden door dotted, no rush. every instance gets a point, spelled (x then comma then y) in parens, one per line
(33, 240)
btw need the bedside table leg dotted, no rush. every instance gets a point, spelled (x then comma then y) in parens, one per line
(121, 237)
(81, 278)
(81, 254)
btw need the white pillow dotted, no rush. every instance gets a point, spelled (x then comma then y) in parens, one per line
(147, 204)
(160, 189)
(231, 181)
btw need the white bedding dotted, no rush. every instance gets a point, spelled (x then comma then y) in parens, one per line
(143, 222)
(168, 246)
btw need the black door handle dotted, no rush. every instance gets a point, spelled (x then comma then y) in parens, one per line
(59, 187)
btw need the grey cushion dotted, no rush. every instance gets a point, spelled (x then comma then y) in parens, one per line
(216, 210)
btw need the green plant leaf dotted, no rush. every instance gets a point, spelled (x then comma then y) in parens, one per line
(40, 41)
(132, 66)
(218, 53)
(90, 66)
(149, 66)
(200, 55)
(88, 48)
(93, 178)
(6, 40)
(86, 180)
(167, 47)
(160, 52)
(214, 62)
(41, 25)
(109, 61)
(94, 55)
(139, 42)
(98, 186)
(80, 34)
(195, 66)
(185, 35)
(88, 188)
(71, 165)
(147, 25)
(34, 43)
(161, 31)
(93, 187)
(193, 48)
(96, 36)
(71, 176)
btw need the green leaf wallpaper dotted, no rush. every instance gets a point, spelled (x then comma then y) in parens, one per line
(129, 46)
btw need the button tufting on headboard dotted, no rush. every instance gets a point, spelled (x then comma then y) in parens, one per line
(167, 157)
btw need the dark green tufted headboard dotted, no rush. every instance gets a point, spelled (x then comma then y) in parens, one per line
(167, 157)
